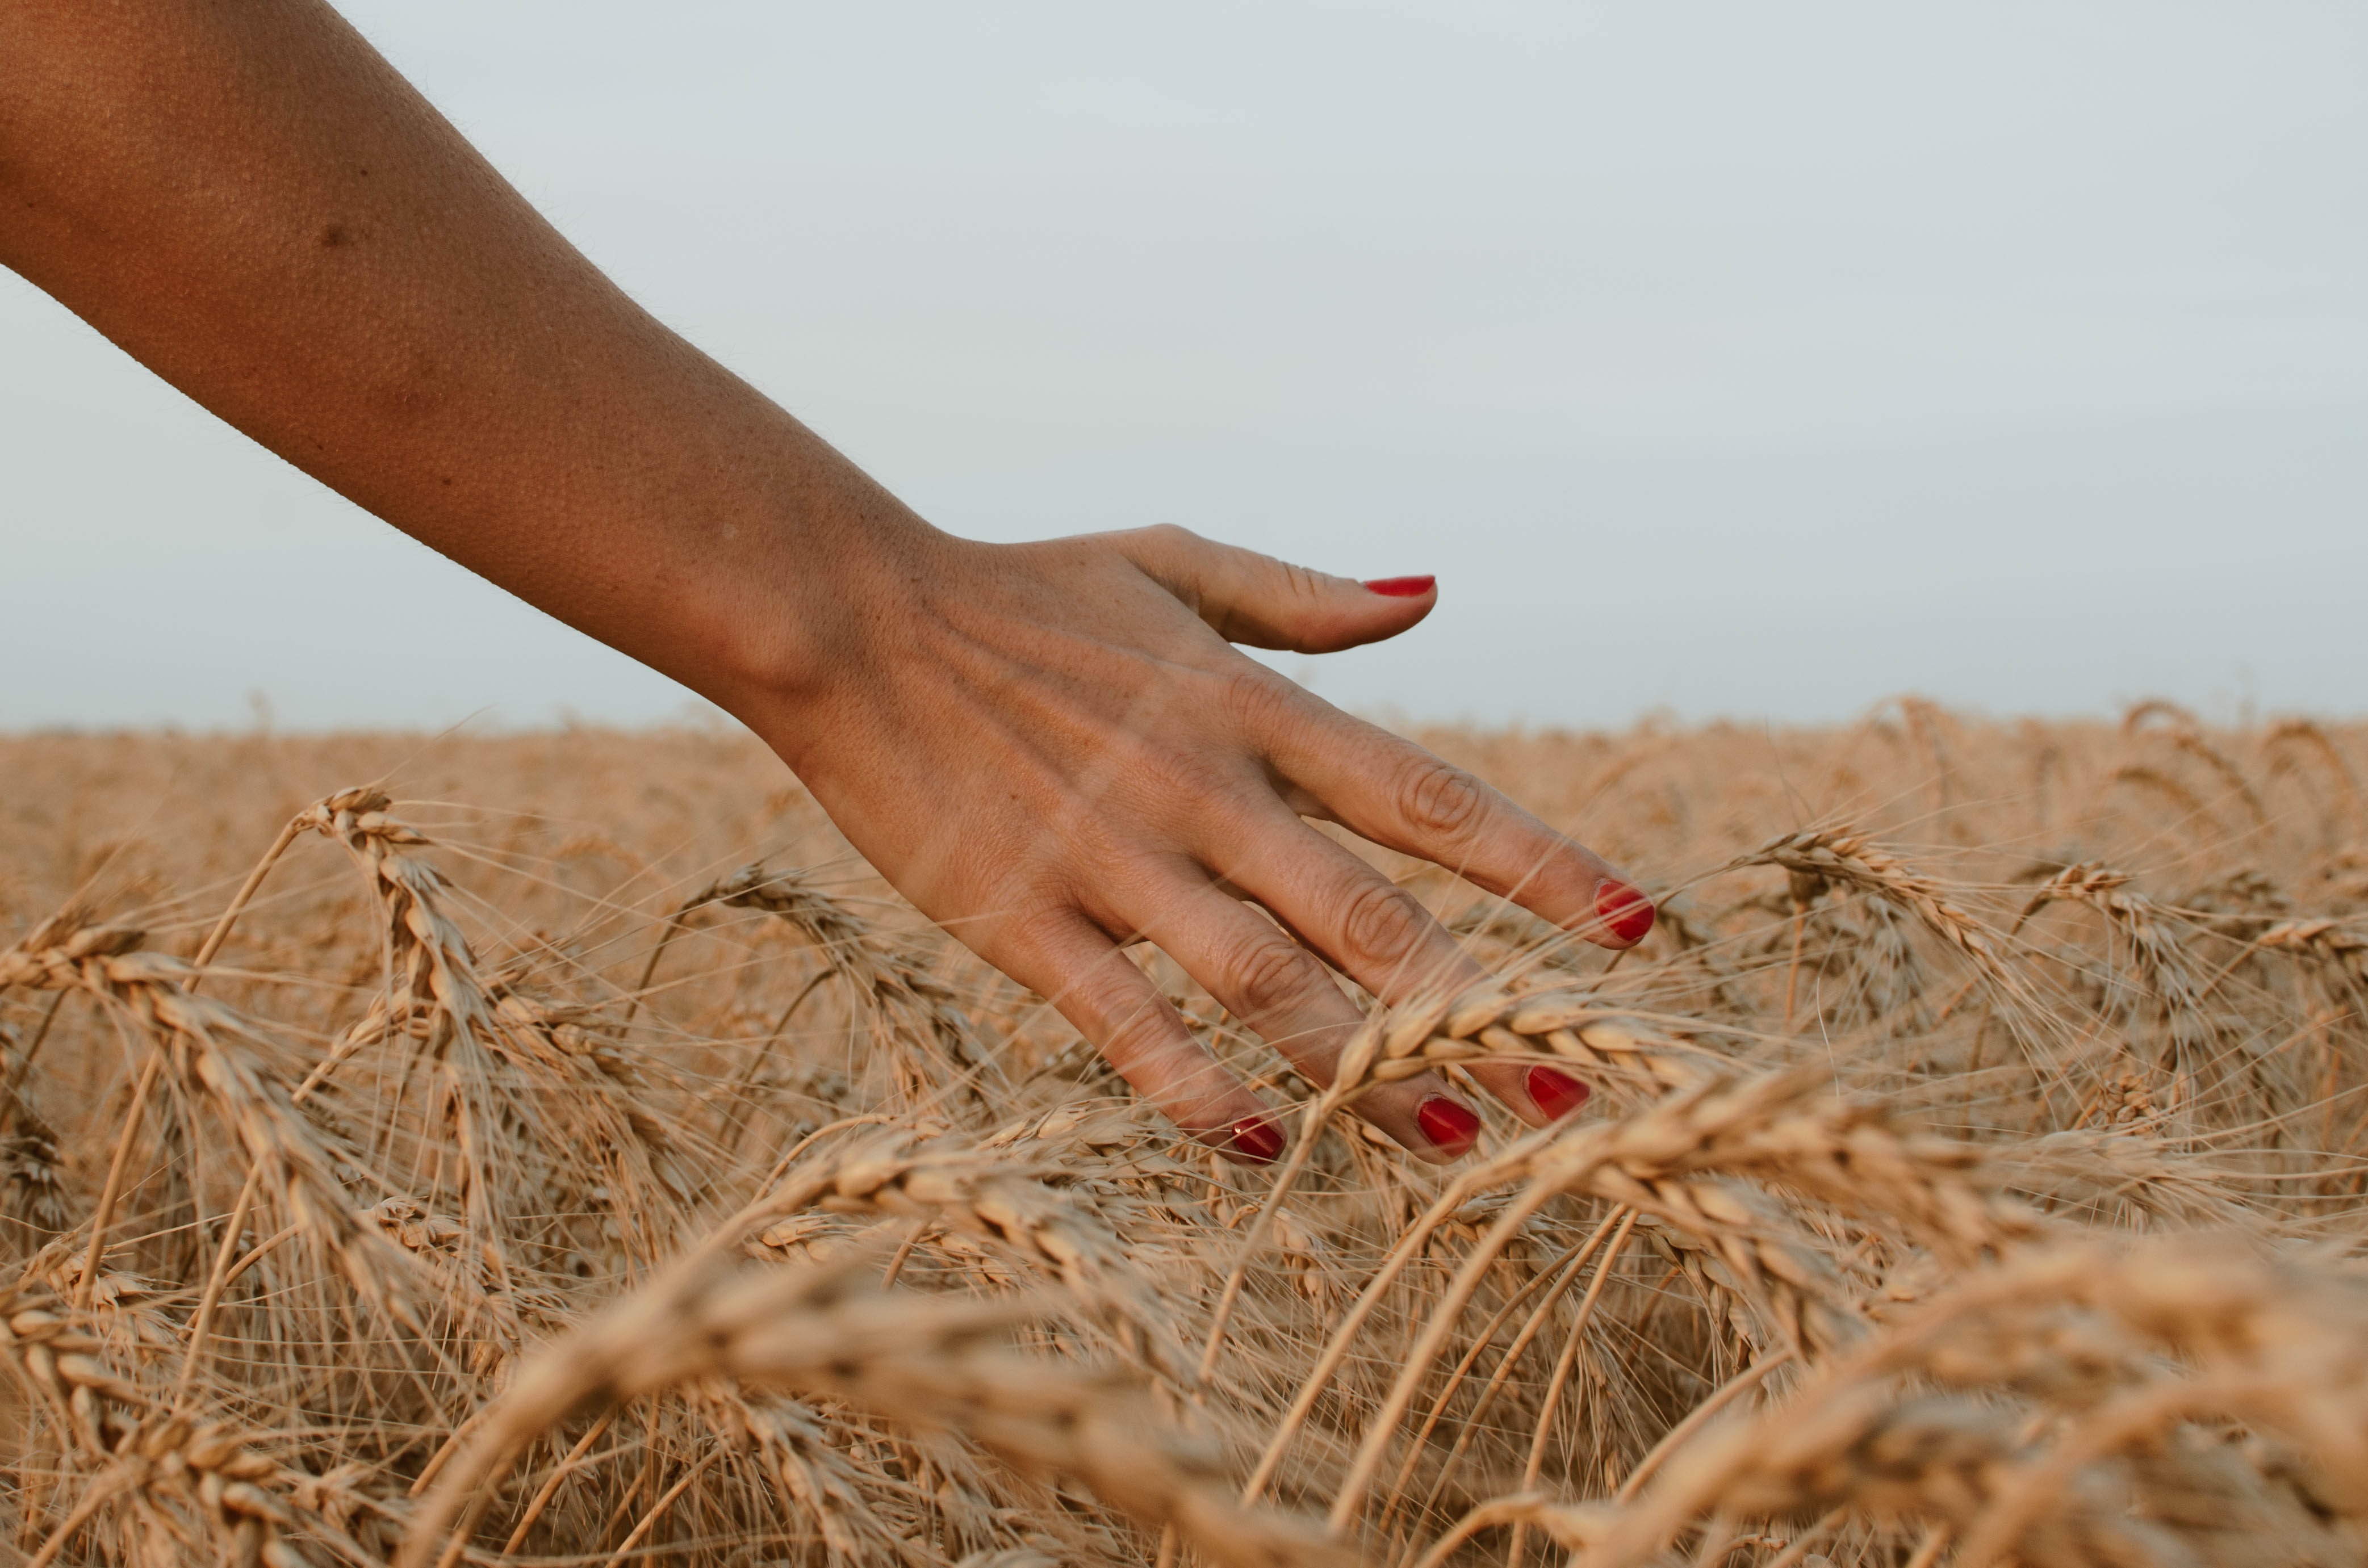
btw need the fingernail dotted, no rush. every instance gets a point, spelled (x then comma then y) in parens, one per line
(1449, 1127)
(1400, 588)
(1257, 1140)
(1556, 1093)
(1626, 913)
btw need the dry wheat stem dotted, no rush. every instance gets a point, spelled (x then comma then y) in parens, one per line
(2269, 1339)
(1550, 1286)
(1566, 1525)
(1343, 1335)
(912, 1358)
(1743, 1382)
(1381, 1427)
(1574, 1346)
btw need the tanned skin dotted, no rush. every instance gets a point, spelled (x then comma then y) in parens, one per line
(1053, 749)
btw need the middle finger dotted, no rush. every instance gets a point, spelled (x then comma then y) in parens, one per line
(1382, 936)
(1284, 993)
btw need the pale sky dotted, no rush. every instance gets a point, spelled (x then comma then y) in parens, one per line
(1726, 359)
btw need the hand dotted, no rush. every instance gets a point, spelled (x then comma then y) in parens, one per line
(1049, 747)
(1053, 750)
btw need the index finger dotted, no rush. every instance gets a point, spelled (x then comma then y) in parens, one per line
(1399, 795)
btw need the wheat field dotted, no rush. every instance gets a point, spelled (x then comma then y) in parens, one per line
(561, 1149)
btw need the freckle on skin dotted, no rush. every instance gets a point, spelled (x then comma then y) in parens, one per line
(332, 236)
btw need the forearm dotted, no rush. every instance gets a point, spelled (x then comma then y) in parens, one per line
(250, 201)
(1049, 747)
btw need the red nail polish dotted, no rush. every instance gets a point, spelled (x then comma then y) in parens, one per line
(1626, 913)
(1400, 588)
(1557, 1094)
(1257, 1140)
(1448, 1126)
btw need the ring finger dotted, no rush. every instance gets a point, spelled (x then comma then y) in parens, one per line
(1284, 993)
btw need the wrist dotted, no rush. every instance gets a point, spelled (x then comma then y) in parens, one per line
(822, 591)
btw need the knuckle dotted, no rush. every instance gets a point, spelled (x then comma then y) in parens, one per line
(1136, 1028)
(1303, 584)
(1166, 777)
(1380, 925)
(1564, 875)
(1268, 973)
(1168, 539)
(1440, 801)
(1034, 934)
(1256, 699)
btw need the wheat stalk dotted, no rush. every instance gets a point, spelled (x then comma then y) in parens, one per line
(931, 1362)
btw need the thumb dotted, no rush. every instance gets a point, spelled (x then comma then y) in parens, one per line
(1265, 603)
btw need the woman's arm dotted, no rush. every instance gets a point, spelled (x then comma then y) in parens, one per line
(1050, 748)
